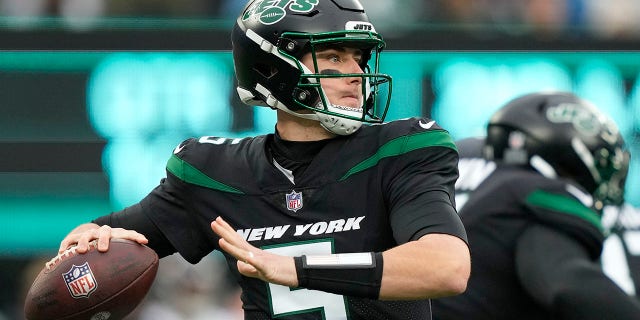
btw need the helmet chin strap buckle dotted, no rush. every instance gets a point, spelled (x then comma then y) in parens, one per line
(336, 124)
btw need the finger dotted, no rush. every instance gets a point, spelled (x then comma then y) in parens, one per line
(248, 270)
(104, 235)
(245, 258)
(237, 252)
(82, 245)
(223, 230)
(223, 223)
(221, 227)
(248, 258)
(233, 243)
(129, 235)
(66, 243)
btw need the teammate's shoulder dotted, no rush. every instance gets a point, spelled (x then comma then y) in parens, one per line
(541, 193)
(560, 189)
(528, 183)
(565, 204)
(554, 202)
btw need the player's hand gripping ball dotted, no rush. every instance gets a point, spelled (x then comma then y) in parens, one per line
(94, 285)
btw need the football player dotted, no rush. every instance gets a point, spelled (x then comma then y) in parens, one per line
(335, 215)
(620, 256)
(531, 198)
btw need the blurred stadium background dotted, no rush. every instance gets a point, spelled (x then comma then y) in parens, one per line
(94, 95)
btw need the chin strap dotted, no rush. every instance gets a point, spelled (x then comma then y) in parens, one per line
(338, 125)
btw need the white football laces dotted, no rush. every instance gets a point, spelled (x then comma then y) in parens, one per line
(66, 254)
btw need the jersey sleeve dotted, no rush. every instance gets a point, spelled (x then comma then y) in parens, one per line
(166, 217)
(169, 206)
(134, 218)
(422, 190)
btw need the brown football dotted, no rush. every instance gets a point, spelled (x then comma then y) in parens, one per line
(94, 285)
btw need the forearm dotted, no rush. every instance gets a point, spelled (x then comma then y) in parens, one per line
(437, 265)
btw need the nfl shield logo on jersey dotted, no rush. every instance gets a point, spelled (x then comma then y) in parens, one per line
(80, 281)
(294, 201)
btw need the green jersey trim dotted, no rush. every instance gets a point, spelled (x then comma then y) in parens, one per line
(188, 173)
(402, 145)
(566, 205)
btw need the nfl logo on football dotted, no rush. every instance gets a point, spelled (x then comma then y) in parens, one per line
(80, 281)
(294, 200)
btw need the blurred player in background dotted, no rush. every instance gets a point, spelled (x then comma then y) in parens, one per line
(620, 256)
(532, 208)
(326, 218)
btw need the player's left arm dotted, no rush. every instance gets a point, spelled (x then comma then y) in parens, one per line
(435, 265)
(432, 259)
(557, 271)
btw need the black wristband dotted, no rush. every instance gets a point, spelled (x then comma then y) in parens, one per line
(350, 274)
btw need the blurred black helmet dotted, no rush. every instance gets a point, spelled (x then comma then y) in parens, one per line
(269, 39)
(559, 134)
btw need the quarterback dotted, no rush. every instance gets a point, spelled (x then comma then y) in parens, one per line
(336, 214)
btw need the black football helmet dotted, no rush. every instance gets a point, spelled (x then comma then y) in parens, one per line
(561, 135)
(269, 39)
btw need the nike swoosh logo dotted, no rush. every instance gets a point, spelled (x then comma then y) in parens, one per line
(178, 148)
(426, 125)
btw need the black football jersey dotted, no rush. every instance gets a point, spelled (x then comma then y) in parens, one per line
(495, 215)
(620, 256)
(369, 191)
(496, 204)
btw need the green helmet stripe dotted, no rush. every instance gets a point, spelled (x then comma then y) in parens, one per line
(564, 204)
(188, 173)
(402, 145)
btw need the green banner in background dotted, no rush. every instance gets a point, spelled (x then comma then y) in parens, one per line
(136, 106)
